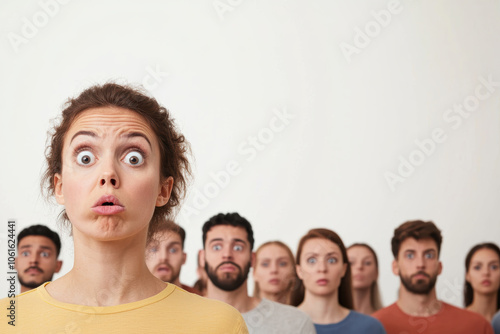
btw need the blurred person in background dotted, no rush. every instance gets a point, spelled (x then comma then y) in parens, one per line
(227, 257)
(201, 282)
(274, 273)
(482, 280)
(165, 254)
(38, 248)
(324, 271)
(416, 247)
(496, 323)
(364, 275)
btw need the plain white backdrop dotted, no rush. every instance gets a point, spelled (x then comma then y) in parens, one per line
(355, 116)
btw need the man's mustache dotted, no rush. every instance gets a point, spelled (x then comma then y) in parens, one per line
(228, 262)
(421, 273)
(34, 267)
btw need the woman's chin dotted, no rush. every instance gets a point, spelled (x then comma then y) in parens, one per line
(107, 228)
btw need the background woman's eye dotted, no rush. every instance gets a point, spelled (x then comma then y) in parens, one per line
(311, 260)
(85, 158)
(134, 158)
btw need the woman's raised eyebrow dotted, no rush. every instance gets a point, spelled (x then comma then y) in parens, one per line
(83, 133)
(137, 134)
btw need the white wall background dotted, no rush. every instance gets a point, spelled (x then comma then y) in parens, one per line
(224, 71)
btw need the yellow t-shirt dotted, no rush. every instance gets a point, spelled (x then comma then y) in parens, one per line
(173, 310)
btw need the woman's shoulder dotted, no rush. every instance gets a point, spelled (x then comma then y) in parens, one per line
(213, 313)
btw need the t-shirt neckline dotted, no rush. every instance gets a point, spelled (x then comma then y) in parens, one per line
(46, 297)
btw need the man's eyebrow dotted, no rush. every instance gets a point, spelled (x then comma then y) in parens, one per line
(173, 243)
(234, 240)
(42, 247)
(83, 133)
(138, 134)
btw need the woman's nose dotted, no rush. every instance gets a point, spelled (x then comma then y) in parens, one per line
(109, 177)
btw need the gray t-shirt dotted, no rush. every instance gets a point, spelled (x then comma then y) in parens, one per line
(275, 318)
(495, 323)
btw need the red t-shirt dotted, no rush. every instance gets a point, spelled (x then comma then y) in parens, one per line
(190, 289)
(449, 319)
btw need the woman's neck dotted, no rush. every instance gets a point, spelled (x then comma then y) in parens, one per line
(362, 300)
(107, 273)
(324, 309)
(486, 305)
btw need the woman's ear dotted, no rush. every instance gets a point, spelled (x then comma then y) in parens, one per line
(58, 193)
(164, 191)
(299, 271)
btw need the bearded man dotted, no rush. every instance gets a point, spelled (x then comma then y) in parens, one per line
(227, 257)
(416, 246)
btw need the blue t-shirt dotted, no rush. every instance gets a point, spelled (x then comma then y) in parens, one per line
(496, 323)
(354, 323)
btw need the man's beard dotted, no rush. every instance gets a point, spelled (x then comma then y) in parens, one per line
(228, 282)
(420, 287)
(33, 284)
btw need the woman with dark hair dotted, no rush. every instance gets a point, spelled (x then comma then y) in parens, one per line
(274, 272)
(325, 273)
(118, 165)
(482, 280)
(364, 273)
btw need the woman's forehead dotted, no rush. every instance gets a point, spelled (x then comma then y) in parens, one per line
(360, 250)
(110, 121)
(320, 246)
(273, 250)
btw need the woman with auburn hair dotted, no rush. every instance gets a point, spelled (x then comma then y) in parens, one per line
(323, 267)
(364, 272)
(274, 272)
(118, 165)
(482, 280)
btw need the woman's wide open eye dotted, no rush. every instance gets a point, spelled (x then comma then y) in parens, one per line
(85, 158)
(134, 158)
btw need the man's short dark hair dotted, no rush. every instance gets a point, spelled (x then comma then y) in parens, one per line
(416, 229)
(43, 231)
(168, 225)
(233, 219)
